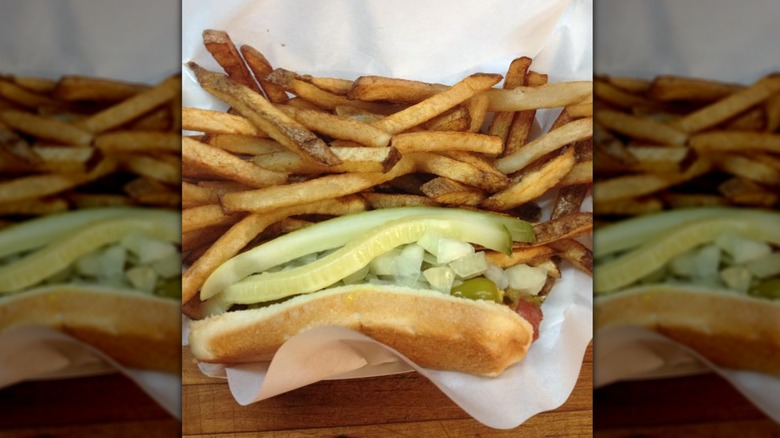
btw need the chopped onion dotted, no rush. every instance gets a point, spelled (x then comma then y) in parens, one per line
(497, 275)
(470, 265)
(384, 264)
(142, 277)
(526, 279)
(766, 266)
(147, 249)
(737, 278)
(440, 278)
(706, 263)
(112, 263)
(742, 249)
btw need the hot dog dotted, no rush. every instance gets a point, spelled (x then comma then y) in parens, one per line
(708, 278)
(415, 279)
(109, 277)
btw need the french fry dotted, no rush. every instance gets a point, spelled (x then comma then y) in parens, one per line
(553, 140)
(641, 128)
(219, 162)
(564, 227)
(532, 184)
(736, 141)
(730, 106)
(523, 121)
(138, 141)
(679, 88)
(515, 77)
(133, 107)
(221, 47)
(437, 104)
(86, 88)
(261, 68)
(339, 127)
(574, 252)
(569, 200)
(267, 117)
(466, 173)
(545, 96)
(394, 200)
(44, 127)
(325, 187)
(447, 191)
(433, 141)
(215, 122)
(379, 88)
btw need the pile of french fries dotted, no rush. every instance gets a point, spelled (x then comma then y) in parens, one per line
(295, 148)
(79, 142)
(674, 142)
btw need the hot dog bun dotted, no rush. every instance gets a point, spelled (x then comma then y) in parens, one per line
(433, 329)
(135, 329)
(730, 329)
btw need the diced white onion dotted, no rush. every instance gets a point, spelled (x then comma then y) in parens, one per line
(142, 278)
(737, 278)
(766, 266)
(526, 279)
(440, 278)
(470, 265)
(742, 249)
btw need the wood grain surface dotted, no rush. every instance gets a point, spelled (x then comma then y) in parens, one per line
(108, 405)
(694, 406)
(399, 405)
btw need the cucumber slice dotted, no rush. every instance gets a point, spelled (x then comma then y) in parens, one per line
(38, 232)
(68, 248)
(360, 251)
(636, 231)
(654, 254)
(335, 233)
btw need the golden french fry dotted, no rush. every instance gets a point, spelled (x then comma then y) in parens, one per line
(437, 104)
(746, 192)
(64, 159)
(222, 49)
(532, 184)
(563, 227)
(446, 191)
(324, 187)
(266, 116)
(574, 252)
(44, 127)
(261, 68)
(245, 144)
(607, 92)
(629, 206)
(551, 95)
(339, 127)
(313, 94)
(569, 199)
(736, 141)
(24, 97)
(553, 140)
(133, 107)
(148, 191)
(217, 122)
(523, 121)
(520, 255)
(580, 174)
(632, 85)
(204, 216)
(153, 167)
(671, 88)
(35, 84)
(219, 162)
(751, 167)
(92, 200)
(730, 106)
(331, 85)
(465, 172)
(477, 108)
(641, 128)
(515, 77)
(373, 88)
(433, 141)
(138, 141)
(76, 87)
(394, 200)
(456, 119)
(34, 206)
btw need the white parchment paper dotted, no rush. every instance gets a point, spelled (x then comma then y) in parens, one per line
(135, 41)
(437, 41)
(716, 39)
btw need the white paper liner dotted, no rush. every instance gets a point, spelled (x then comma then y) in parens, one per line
(635, 353)
(645, 39)
(41, 353)
(436, 41)
(133, 41)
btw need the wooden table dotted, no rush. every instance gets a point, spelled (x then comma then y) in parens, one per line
(695, 406)
(405, 404)
(108, 405)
